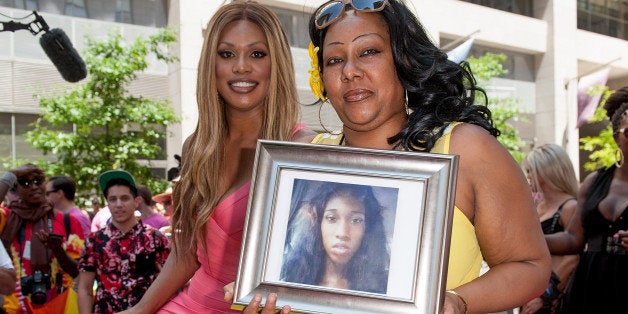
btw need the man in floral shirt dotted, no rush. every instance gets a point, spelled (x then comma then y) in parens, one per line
(124, 257)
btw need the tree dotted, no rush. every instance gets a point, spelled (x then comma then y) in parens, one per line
(504, 109)
(603, 145)
(111, 128)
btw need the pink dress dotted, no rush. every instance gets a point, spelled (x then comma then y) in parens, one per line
(219, 267)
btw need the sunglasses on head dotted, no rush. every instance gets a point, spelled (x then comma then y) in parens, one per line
(623, 130)
(330, 12)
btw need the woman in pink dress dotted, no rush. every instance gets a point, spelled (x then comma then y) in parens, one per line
(246, 91)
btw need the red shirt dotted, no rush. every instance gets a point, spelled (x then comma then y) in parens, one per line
(125, 264)
(20, 253)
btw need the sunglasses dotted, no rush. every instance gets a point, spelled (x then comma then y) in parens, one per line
(623, 130)
(28, 183)
(330, 12)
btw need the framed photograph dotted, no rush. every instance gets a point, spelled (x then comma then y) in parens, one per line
(335, 229)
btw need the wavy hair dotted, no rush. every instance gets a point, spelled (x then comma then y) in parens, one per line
(438, 91)
(551, 163)
(304, 260)
(617, 107)
(195, 194)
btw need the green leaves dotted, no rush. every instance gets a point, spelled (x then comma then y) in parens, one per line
(503, 109)
(98, 125)
(602, 146)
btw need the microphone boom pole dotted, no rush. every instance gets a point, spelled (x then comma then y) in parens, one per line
(35, 27)
(56, 45)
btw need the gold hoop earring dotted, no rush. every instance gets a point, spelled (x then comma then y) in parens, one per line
(619, 161)
(320, 121)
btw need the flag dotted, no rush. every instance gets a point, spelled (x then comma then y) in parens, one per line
(588, 103)
(460, 53)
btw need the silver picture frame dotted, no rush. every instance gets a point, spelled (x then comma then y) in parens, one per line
(419, 213)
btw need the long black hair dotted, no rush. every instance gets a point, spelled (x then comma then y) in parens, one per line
(304, 261)
(439, 91)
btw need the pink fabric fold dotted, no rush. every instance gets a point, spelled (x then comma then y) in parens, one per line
(220, 265)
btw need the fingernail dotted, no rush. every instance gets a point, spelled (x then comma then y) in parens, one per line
(257, 298)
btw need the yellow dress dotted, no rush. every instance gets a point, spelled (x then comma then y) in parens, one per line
(465, 258)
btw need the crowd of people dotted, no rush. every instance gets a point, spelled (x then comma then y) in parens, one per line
(50, 259)
(393, 89)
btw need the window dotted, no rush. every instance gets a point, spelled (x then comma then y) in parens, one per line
(295, 24)
(520, 66)
(123, 11)
(153, 13)
(20, 4)
(606, 17)
(521, 7)
(75, 8)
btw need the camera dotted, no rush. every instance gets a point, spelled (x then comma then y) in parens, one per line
(36, 285)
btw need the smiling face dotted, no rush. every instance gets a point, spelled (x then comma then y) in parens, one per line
(342, 229)
(359, 74)
(243, 66)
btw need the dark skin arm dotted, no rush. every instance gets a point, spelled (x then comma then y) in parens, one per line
(7, 281)
(55, 243)
(8, 278)
(571, 241)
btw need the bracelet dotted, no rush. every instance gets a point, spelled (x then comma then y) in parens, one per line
(464, 303)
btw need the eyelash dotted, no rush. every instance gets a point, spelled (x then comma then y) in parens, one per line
(225, 54)
(355, 221)
(366, 53)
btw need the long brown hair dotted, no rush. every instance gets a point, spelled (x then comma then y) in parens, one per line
(195, 195)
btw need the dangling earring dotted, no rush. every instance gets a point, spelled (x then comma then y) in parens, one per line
(619, 161)
(320, 121)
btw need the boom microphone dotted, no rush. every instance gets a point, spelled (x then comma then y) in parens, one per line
(59, 49)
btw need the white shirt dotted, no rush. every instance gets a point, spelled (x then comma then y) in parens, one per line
(5, 259)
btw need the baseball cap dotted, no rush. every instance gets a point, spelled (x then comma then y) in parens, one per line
(107, 176)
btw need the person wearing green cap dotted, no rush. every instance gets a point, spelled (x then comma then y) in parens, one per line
(124, 257)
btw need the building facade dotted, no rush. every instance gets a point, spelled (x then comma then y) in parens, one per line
(550, 44)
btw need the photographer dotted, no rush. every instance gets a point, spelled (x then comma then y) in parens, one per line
(42, 245)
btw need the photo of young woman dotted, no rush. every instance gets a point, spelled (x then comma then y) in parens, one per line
(337, 238)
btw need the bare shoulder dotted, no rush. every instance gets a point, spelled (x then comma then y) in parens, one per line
(488, 176)
(480, 152)
(304, 136)
(470, 138)
(588, 180)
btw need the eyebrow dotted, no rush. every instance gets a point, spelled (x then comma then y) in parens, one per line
(249, 45)
(356, 38)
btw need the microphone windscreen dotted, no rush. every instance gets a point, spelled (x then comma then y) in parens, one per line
(60, 51)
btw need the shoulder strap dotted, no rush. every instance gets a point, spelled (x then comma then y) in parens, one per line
(557, 214)
(329, 139)
(66, 223)
(442, 144)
